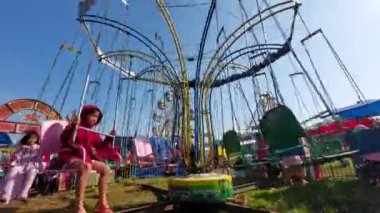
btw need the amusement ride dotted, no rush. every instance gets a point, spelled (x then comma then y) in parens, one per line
(202, 98)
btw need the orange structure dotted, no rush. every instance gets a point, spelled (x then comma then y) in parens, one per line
(30, 121)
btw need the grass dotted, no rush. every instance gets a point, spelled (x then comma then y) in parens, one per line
(344, 195)
(121, 196)
(322, 196)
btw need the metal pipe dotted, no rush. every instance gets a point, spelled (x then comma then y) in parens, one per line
(80, 110)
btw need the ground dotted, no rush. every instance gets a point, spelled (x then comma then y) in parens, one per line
(322, 196)
(347, 195)
(122, 195)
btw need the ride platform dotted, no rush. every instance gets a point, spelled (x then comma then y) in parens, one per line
(212, 187)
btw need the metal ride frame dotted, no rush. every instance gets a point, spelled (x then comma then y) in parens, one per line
(202, 86)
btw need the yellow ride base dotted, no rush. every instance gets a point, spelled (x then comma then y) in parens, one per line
(201, 187)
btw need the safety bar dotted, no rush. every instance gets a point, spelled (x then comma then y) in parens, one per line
(90, 130)
(296, 73)
(311, 35)
(84, 153)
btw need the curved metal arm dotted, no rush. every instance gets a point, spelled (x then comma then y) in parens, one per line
(242, 29)
(270, 58)
(135, 34)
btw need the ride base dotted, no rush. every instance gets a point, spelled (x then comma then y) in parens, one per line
(210, 187)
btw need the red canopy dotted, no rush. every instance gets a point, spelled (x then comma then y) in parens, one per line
(340, 127)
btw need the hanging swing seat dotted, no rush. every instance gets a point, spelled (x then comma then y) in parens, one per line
(281, 131)
(148, 164)
(141, 152)
(231, 142)
(50, 146)
(373, 157)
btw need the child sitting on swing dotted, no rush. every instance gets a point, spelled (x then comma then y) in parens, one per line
(25, 163)
(79, 154)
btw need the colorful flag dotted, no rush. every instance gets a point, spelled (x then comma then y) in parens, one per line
(84, 6)
(70, 48)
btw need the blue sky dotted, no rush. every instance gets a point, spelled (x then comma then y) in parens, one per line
(32, 31)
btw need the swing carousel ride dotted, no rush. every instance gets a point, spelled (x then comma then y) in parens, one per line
(201, 75)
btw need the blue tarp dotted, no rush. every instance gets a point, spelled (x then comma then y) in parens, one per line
(161, 148)
(367, 109)
(5, 140)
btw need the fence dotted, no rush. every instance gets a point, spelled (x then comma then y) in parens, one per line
(265, 174)
(65, 180)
